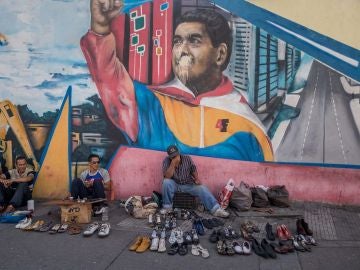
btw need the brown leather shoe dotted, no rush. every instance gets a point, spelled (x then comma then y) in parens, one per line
(136, 243)
(145, 244)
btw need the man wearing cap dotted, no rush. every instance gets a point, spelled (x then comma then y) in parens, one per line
(180, 174)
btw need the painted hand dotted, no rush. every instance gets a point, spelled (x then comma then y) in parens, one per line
(102, 12)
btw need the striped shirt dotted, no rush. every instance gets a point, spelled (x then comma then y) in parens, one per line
(183, 173)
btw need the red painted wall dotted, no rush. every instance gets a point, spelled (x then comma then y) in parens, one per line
(139, 173)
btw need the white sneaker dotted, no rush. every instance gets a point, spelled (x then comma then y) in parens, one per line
(104, 230)
(91, 229)
(221, 213)
(154, 244)
(17, 226)
(25, 224)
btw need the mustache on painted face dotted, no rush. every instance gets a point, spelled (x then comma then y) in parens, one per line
(183, 65)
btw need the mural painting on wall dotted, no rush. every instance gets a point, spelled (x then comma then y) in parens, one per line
(192, 74)
(211, 81)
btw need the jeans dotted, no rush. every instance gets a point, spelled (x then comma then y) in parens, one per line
(15, 196)
(78, 189)
(169, 187)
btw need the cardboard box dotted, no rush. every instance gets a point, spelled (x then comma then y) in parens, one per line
(76, 212)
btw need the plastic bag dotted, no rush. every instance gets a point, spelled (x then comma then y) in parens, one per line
(279, 196)
(225, 194)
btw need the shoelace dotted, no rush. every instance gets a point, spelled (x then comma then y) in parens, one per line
(103, 228)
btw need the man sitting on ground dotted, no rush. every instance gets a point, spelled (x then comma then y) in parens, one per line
(93, 181)
(14, 191)
(180, 174)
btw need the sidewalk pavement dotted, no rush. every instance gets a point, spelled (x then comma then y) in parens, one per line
(337, 230)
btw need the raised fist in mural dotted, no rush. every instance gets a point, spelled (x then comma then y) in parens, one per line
(102, 12)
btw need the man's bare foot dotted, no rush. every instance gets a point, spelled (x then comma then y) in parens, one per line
(9, 209)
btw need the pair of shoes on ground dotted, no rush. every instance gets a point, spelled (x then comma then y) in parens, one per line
(264, 249)
(303, 243)
(141, 244)
(198, 250)
(176, 236)
(191, 237)
(225, 247)
(22, 224)
(221, 213)
(102, 228)
(59, 228)
(242, 248)
(158, 243)
(35, 226)
(302, 227)
(181, 248)
(283, 232)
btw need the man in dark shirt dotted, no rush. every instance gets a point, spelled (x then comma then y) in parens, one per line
(180, 174)
(15, 184)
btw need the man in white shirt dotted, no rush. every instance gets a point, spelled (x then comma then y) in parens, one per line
(92, 182)
(13, 191)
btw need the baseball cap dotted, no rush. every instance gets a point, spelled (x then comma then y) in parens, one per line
(172, 151)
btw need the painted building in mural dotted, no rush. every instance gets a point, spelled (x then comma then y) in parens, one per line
(281, 97)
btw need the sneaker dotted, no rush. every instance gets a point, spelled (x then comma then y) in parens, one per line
(91, 229)
(104, 229)
(165, 211)
(25, 223)
(221, 213)
(100, 210)
(17, 226)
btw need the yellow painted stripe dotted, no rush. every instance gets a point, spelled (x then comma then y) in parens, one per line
(185, 123)
(53, 178)
(337, 19)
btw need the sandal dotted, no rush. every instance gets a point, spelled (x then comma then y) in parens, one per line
(229, 248)
(74, 229)
(46, 227)
(204, 252)
(221, 248)
(55, 228)
(63, 228)
(195, 250)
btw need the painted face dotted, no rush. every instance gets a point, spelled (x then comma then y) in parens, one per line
(21, 165)
(193, 56)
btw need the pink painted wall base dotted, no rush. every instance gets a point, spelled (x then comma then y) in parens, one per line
(138, 172)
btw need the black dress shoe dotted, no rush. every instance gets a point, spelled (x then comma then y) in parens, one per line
(268, 249)
(269, 232)
(258, 249)
(306, 227)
